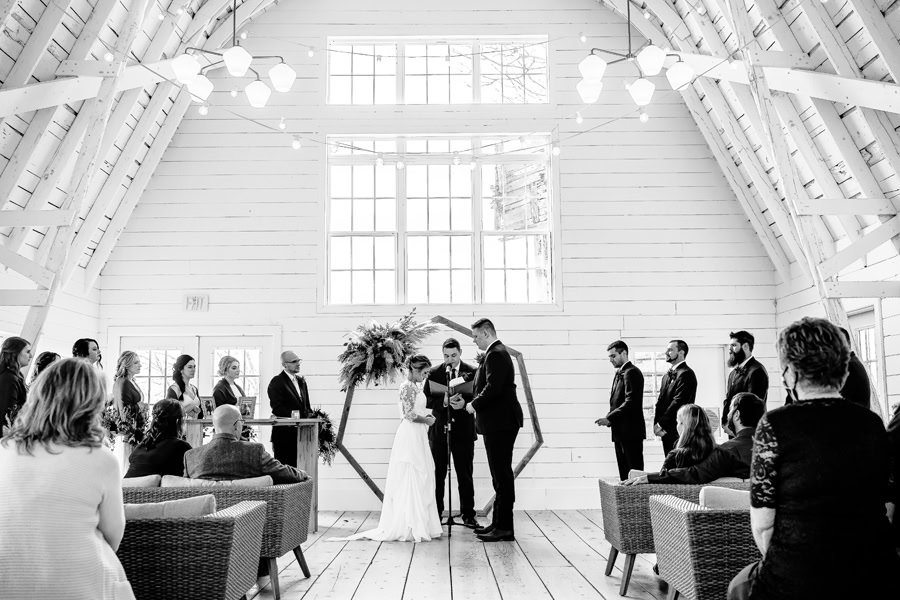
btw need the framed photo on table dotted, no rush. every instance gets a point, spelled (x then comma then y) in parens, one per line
(247, 406)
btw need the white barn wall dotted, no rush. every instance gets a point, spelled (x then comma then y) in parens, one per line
(653, 243)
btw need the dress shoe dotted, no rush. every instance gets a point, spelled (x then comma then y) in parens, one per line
(498, 535)
(471, 523)
(484, 530)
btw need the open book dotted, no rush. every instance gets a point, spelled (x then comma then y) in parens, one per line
(460, 386)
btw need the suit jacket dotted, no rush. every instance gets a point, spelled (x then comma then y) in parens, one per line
(674, 392)
(222, 393)
(225, 457)
(496, 406)
(731, 459)
(12, 396)
(463, 422)
(284, 399)
(856, 388)
(752, 377)
(626, 400)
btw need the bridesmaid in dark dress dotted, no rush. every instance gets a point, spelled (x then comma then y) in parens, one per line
(162, 451)
(819, 481)
(127, 396)
(15, 354)
(227, 390)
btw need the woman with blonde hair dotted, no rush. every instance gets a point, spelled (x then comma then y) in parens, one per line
(61, 511)
(695, 438)
(227, 390)
(128, 398)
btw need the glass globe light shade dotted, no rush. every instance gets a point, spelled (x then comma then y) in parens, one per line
(680, 75)
(592, 67)
(237, 60)
(651, 60)
(642, 91)
(282, 77)
(185, 68)
(589, 90)
(200, 87)
(257, 93)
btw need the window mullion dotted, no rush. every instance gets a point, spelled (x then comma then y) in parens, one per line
(400, 70)
(476, 72)
(477, 262)
(401, 225)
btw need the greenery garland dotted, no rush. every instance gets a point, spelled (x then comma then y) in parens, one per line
(377, 352)
(327, 437)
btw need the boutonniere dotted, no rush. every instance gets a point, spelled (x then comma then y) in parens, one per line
(479, 359)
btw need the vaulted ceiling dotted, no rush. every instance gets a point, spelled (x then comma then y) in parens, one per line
(798, 102)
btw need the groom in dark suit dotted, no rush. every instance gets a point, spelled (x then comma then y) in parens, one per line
(498, 418)
(462, 431)
(288, 392)
(626, 415)
(678, 387)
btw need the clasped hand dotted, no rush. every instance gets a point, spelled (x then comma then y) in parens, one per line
(429, 420)
(457, 401)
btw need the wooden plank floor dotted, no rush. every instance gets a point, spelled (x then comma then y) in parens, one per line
(557, 555)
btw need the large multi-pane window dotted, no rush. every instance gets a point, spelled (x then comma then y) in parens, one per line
(462, 220)
(437, 71)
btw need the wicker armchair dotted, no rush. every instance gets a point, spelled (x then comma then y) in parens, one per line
(700, 550)
(626, 518)
(202, 558)
(287, 515)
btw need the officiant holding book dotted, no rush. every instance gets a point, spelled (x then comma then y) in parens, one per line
(444, 381)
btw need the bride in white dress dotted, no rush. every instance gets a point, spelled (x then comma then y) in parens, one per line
(409, 512)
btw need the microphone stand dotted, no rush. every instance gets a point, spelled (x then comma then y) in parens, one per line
(448, 428)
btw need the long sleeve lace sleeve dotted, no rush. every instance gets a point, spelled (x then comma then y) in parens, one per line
(763, 469)
(408, 393)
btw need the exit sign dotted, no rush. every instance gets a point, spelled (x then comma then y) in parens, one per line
(196, 303)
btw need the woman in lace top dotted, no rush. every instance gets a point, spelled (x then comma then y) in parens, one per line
(818, 482)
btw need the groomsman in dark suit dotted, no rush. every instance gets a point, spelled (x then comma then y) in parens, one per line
(679, 387)
(287, 393)
(748, 375)
(626, 416)
(856, 387)
(498, 418)
(462, 432)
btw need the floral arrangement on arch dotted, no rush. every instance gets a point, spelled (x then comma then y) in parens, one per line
(327, 438)
(377, 352)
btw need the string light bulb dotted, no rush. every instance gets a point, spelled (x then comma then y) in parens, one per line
(647, 15)
(180, 11)
(644, 117)
(473, 164)
(244, 35)
(311, 52)
(161, 16)
(203, 109)
(281, 124)
(578, 118)
(379, 160)
(582, 38)
(456, 159)
(295, 143)
(234, 93)
(108, 56)
(400, 165)
(556, 150)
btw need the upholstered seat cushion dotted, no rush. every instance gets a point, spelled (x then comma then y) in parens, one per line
(197, 506)
(718, 497)
(145, 481)
(174, 481)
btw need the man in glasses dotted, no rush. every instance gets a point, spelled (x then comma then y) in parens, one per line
(288, 393)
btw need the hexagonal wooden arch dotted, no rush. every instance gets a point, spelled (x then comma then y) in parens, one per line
(529, 397)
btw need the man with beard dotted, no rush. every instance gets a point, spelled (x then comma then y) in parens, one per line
(748, 374)
(679, 387)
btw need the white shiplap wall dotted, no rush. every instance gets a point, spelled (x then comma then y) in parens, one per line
(653, 243)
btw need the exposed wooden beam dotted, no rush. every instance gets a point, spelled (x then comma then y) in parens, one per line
(860, 248)
(6, 8)
(880, 33)
(846, 206)
(86, 68)
(204, 17)
(26, 267)
(135, 190)
(24, 298)
(34, 218)
(85, 167)
(863, 289)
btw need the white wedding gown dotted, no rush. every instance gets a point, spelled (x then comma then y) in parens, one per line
(409, 511)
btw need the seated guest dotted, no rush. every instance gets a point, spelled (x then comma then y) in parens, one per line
(162, 450)
(227, 457)
(731, 459)
(819, 479)
(127, 396)
(15, 354)
(44, 360)
(695, 438)
(61, 511)
(227, 391)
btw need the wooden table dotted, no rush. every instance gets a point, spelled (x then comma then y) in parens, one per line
(307, 451)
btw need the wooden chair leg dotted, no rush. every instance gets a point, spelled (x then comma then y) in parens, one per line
(301, 560)
(273, 577)
(673, 594)
(611, 561)
(626, 573)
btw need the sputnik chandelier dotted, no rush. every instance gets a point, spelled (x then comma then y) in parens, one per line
(650, 60)
(189, 71)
